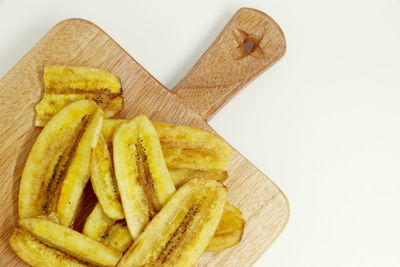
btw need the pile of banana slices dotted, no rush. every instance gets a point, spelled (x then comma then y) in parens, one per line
(161, 201)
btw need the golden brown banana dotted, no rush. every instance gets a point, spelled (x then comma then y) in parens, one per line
(181, 231)
(118, 237)
(66, 84)
(97, 224)
(109, 127)
(104, 183)
(115, 234)
(143, 179)
(70, 241)
(184, 147)
(112, 233)
(229, 231)
(80, 78)
(192, 148)
(59, 164)
(181, 176)
(35, 253)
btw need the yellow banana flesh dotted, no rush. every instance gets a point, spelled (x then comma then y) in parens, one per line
(104, 183)
(59, 163)
(66, 84)
(70, 242)
(181, 176)
(143, 179)
(184, 147)
(181, 231)
(229, 231)
(35, 253)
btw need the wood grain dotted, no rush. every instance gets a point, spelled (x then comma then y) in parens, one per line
(249, 44)
(79, 42)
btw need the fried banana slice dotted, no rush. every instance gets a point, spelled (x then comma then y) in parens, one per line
(35, 253)
(115, 234)
(229, 231)
(181, 231)
(80, 78)
(184, 147)
(52, 103)
(109, 127)
(143, 179)
(66, 84)
(192, 148)
(112, 233)
(118, 237)
(71, 242)
(97, 224)
(104, 183)
(181, 176)
(59, 164)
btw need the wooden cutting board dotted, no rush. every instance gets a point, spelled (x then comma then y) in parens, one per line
(250, 43)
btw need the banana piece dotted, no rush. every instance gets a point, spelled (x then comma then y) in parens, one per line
(104, 183)
(66, 84)
(115, 234)
(59, 164)
(181, 231)
(229, 231)
(192, 148)
(109, 127)
(80, 78)
(97, 224)
(35, 253)
(181, 176)
(143, 179)
(118, 237)
(70, 241)
(112, 233)
(184, 147)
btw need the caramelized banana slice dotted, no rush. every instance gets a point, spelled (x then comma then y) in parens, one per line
(80, 78)
(59, 164)
(52, 103)
(118, 237)
(65, 85)
(35, 253)
(184, 147)
(181, 231)
(104, 183)
(229, 231)
(181, 176)
(115, 234)
(97, 224)
(192, 148)
(112, 233)
(109, 127)
(224, 241)
(71, 242)
(143, 179)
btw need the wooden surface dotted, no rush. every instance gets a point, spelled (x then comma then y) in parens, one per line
(79, 42)
(249, 44)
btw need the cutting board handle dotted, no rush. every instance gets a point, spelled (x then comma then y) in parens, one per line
(249, 44)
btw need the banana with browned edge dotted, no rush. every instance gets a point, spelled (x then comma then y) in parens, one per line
(35, 253)
(70, 242)
(184, 147)
(181, 231)
(104, 183)
(66, 84)
(115, 234)
(143, 179)
(59, 164)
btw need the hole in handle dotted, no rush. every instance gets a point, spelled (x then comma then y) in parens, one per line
(248, 46)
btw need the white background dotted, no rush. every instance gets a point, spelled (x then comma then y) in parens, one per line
(323, 123)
